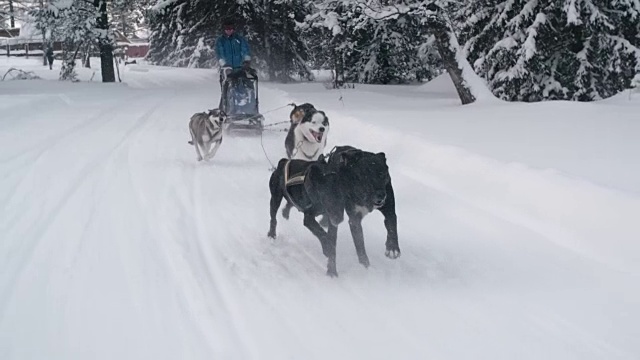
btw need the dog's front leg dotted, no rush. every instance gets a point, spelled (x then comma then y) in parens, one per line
(213, 151)
(286, 211)
(332, 239)
(317, 230)
(355, 225)
(194, 141)
(391, 223)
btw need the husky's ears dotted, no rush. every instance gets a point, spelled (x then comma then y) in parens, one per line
(296, 116)
(350, 156)
(382, 156)
(216, 113)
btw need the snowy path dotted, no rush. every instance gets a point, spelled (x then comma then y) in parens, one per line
(116, 244)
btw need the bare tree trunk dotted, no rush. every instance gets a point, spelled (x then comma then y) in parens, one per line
(11, 15)
(86, 59)
(106, 49)
(449, 50)
(44, 39)
(267, 44)
(339, 80)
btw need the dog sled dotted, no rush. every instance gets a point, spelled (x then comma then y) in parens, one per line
(240, 102)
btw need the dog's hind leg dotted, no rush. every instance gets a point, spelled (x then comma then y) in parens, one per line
(195, 143)
(355, 225)
(286, 211)
(332, 239)
(193, 138)
(391, 223)
(276, 200)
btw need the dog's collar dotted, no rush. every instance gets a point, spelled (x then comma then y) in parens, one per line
(312, 155)
(309, 157)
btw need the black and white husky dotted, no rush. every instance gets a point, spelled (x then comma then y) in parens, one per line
(307, 135)
(206, 133)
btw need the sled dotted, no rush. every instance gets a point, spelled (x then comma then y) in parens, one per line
(240, 102)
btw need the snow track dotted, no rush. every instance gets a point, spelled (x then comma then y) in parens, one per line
(116, 244)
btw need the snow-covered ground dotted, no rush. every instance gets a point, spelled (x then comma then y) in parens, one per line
(517, 223)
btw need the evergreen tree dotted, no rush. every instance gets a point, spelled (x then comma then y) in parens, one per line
(553, 49)
(273, 30)
(78, 24)
(373, 41)
(184, 32)
(129, 16)
(14, 11)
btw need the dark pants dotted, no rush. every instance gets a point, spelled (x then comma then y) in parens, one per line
(50, 59)
(223, 92)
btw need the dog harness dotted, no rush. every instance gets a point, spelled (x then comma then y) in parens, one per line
(290, 182)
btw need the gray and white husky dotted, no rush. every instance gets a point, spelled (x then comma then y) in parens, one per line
(206, 133)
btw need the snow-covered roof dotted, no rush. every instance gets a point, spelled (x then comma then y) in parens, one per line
(29, 31)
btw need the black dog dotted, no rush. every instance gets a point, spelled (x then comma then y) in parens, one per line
(365, 185)
(310, 186)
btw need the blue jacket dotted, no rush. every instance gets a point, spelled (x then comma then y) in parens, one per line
(232, 51)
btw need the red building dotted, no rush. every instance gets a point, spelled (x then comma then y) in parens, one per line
(131, 47)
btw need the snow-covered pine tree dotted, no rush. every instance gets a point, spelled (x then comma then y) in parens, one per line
(375, 41)
(183, 32)
(8, 13)
(165, 25)
(553, 49)
(78, 23)
(129, 16)
(325, 31)
(274, 32)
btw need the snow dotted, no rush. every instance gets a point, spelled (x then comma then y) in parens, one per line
(517, 223)
(529, 46)
(573, 14)
(162, 4)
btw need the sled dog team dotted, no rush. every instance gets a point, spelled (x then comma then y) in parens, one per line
(347, 180)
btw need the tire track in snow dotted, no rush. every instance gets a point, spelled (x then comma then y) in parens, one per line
(33, 236)
(29, 159)
(206, 297)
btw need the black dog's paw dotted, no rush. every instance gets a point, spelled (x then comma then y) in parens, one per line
(190, 142)
(392, 253)
(332, 273)
(364, 260)
(272, 234)
(331, 268)
(285, 213)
